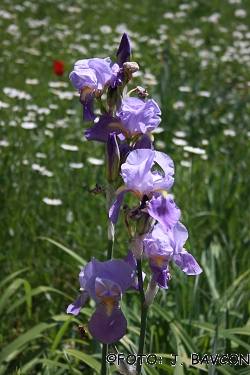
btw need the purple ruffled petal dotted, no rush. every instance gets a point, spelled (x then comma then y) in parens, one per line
(136, 172)
(139, 116)
(101, 130)
(160, 276)
(187, 263)
(164, 210)
(107, 328)
(76, 306)
(179, 237)
(93, 73)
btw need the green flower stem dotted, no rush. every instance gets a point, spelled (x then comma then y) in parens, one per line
(111, 238)
(144, 311)
(104, 361)
(103, 110)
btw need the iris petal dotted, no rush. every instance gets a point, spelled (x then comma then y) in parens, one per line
(107, 328)
(115, 209)
(187, 263)
(136, 172)
(101, 130)
(75, 307)
(160, 276)
(164, 210)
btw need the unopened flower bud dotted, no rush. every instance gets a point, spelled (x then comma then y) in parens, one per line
(151, 292)
(136, 245)
(112, 156)
(111, 99)
(144, 224)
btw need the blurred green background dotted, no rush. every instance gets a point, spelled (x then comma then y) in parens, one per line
(194, 58)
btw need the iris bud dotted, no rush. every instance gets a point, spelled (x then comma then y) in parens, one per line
(112, 157)
(151, 292)
(144, 224)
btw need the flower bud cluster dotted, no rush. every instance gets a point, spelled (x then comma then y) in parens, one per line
(133, 167)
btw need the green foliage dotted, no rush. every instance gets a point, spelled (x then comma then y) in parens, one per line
(197, 69)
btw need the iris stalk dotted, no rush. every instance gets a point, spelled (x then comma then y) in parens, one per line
(104, 360)
(111, 238)
(144, 311)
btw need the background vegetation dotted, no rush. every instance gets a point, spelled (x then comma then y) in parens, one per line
(194, 57)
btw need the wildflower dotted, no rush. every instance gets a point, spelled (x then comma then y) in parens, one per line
(161, 246)
(52, 202)
(59, 67)
(149, 187)
(28, 125)
(69, 147)
(194, 150)
(106, 283)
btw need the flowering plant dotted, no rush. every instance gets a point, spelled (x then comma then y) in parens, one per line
(132, 166)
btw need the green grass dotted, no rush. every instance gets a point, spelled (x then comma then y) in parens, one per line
(44, 246)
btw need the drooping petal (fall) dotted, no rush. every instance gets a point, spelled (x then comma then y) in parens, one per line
(115, 208)
(160, 276)
(87, 100)
(107, 325)
(187, 263)
(76, 306)
(101, 130)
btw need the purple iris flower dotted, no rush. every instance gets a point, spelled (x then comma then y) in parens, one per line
(105, 283)
(91, 77)
(135, 117)
(148, 186)
(92, 73)
(161, 246)
(138, 116)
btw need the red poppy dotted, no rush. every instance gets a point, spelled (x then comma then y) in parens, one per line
(59, 67)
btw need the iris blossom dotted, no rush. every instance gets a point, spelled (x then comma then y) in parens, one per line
(161, 246)
(105, 283)
(148, 186)
(135, 117)
(93, 76)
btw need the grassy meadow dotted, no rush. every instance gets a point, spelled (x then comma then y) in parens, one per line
(194, 58)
